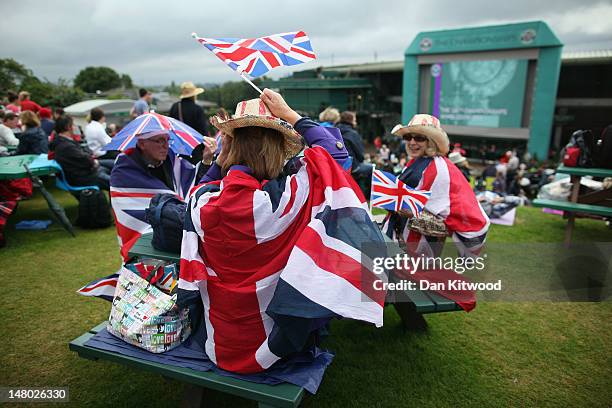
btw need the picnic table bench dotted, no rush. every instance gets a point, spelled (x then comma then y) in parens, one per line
(282, 395)
(597, 203)
(32, 166)
(421, 302)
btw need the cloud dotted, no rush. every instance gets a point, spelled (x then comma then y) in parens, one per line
(151, 41)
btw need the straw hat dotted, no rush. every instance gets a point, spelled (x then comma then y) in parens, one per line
(428, 126)
(456, 158)
(188, 89)
(254, 112)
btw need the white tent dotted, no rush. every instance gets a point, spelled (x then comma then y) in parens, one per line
(116, 111)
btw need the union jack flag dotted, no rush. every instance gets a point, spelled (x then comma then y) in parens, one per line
(390, 193)
(274, 261)
(257, 56)
(131, 191)
(103, 288)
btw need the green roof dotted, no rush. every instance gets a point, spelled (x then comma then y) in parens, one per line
(533, 34)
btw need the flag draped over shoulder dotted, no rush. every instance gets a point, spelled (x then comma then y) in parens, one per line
(452, 199)
(275, 260)
(257, 56)
(132, 189)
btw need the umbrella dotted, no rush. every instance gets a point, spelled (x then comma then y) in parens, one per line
(183, 139)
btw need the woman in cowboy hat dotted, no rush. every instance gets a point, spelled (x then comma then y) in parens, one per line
(272, 249)
(452, 208)
(188, 111)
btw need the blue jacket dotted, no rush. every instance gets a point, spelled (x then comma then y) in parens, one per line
(33, 141)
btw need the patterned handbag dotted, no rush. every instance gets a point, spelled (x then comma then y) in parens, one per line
(145, 316)
(428, 224)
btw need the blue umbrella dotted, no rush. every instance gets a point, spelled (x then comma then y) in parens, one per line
(183, 139)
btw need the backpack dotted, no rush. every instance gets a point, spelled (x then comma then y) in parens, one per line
(579, 150)
(602, 155)
(94, 210)
(166, 214)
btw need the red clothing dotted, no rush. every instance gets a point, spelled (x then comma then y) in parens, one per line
(30, 105)
(13, 108)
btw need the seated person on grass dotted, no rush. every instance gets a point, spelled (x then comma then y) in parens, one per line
(78, 163)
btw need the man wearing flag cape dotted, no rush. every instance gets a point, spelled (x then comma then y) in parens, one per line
(150, 165)
(273, 250)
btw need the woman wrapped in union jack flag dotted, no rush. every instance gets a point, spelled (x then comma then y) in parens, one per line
(452, 208)
(272, 248)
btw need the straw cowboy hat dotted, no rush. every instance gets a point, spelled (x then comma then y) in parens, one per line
(254, 112)
(428, 126)
(456, 158)
(188, 89)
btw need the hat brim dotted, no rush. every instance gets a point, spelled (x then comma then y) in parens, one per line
(193, 92)
(293, 141)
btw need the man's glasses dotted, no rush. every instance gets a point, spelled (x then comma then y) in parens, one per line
(160, 142)
(417, 138)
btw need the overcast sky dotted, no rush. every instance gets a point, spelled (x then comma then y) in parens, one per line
(151, 40)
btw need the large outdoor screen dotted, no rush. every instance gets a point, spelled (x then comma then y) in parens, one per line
(487, 93)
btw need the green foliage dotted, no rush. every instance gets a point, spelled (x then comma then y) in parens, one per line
(92, 79)
(12, 74)
(230, 93)
(126, 81)
(47, 93)
(174, 89)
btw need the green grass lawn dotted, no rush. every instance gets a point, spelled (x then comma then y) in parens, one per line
(501, 354)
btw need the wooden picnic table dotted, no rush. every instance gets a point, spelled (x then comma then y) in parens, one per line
(597, 203)
(17, 167)
(424, 301)
(12, 167)
(281, 395)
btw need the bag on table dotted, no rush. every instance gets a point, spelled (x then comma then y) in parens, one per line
(144, 315)
(166, 214)
(94, 211)
(428, 224)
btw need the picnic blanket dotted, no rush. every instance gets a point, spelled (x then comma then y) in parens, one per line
(304, 369)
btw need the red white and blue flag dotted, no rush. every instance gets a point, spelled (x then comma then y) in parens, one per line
(257, 56)
(183, 139)
(453, 200)
(273, 261)
(390, 193)
(103, 288)
(131, 191)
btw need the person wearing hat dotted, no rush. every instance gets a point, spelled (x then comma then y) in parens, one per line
(46, 123)
(255, 240)
(452, 208)
(461, 162)
(189, 112)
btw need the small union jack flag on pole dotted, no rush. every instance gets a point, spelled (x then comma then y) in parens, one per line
(390, 193)
(256, 56)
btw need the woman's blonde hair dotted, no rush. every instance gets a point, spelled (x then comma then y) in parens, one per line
(30, 119)
(329, 115)
(261, 149)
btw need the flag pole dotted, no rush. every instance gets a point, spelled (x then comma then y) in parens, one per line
(242, 74)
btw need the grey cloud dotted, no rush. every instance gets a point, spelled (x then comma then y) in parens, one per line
(150, 40)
